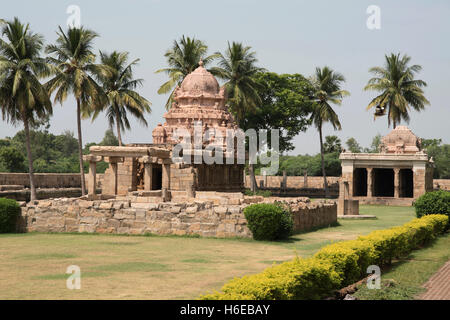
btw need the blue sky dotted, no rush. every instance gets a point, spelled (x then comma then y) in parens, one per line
(288, 37)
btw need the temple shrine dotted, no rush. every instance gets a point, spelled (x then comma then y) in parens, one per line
(198, 101)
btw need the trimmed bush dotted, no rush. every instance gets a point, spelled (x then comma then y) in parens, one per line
(334, 266)
(9, 213)
(297, 279)
(436, 202)
(269, 221)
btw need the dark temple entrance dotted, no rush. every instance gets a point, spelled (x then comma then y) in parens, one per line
(406, 183)
(383, 182)
(157, 177)
(360, 182)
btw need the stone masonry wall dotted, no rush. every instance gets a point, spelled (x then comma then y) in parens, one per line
(204, 218)
(46, 180)
(295, 182)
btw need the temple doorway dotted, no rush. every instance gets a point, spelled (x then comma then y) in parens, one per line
(383, 182)
(406, 183)
(157, 177)
(360, 182)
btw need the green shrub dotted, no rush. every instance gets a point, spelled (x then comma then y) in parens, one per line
(269, 221)
(9, 213)
(334, 266)
(262, 193)
(436, 202)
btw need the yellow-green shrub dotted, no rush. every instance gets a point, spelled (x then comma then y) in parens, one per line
(349, 258)
(297, 279)
(334, 266)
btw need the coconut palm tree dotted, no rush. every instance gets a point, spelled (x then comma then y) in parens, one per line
(327, 89)
(119, 86)
(22, 97)
(399, 90)
(238, 68)
(74, 73)
(183, 58)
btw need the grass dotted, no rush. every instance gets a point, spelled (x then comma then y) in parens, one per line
(404, 279)
(33, 265)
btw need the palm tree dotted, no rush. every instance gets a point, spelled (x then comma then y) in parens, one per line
(74, 72)
(22, 97)
(238, 68)
(327, 89)
(399, 90)
(119, 86)
(183, 58)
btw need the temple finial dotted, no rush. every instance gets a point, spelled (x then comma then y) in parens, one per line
(200, 63)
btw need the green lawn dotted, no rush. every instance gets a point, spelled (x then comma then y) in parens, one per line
(404, 280)
(141, 267)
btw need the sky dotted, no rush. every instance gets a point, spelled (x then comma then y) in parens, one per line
(287, 36)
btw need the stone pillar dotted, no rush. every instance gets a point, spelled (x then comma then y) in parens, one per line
(396, 182)
(92, 180)
(113, 163)
(148, 172)
(166, 175)
(369, 183)
(165, 180)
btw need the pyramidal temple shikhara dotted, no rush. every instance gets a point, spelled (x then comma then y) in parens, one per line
(150, 168)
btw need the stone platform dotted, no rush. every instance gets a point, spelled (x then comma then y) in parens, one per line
(218, 215)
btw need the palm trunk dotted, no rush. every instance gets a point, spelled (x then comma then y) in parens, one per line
(80, 149)
(119, 136)
(30, 159)
(325, 186)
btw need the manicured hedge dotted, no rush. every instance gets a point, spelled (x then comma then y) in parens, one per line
(269, 221)
(436, 202)
(9, 213)
(334, 266)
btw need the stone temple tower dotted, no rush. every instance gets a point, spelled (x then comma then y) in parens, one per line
(199, 98)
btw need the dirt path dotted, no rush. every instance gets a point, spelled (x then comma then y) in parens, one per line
(438, 286)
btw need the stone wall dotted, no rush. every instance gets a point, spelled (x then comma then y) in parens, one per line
(46, 180)
(24, 194)
(441, 184)
(201, 217)
(295, 182)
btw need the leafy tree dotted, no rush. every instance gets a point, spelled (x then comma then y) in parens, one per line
(74, 70)
(22, 97)
(332, 144)
(353, 145)
(440, 153)
(327, 89)
(109, 139)
(183, 58)
(399, 89)
(374, 147)
(285, 105)
(237, 67)
(12, 159)
(120, 86)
